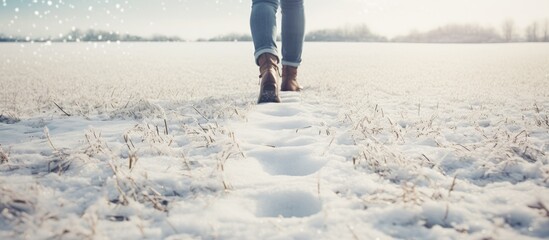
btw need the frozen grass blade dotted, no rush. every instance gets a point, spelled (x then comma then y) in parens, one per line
(60, 108)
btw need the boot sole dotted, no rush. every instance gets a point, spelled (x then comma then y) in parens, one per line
(291, 90)
(268, 97)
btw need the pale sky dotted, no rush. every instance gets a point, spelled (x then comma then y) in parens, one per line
(191, 19)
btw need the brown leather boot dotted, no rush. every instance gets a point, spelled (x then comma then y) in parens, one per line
(289, 79)
(269, 74)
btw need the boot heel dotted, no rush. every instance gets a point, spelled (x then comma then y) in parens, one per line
(268, 96)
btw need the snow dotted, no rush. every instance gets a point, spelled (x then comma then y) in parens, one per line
(165, 141)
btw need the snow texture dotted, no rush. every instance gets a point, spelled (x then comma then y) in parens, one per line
(165, 141)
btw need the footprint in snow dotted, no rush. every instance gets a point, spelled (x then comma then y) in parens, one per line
(269, 139)
(287, 204)
(291, 161)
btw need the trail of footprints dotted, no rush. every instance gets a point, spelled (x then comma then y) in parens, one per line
(284, 155)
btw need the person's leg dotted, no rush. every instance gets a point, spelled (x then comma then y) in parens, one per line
(263, 27)
(293, 31)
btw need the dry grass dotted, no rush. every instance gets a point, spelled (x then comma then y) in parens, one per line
(4, 155)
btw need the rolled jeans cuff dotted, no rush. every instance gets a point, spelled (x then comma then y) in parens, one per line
(291, 64)
(258, 53)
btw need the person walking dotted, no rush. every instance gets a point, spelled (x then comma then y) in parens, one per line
(264, 33)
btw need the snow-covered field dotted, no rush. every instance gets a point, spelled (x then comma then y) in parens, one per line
(165, 141)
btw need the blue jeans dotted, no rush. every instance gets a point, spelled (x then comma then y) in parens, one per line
(264, 31)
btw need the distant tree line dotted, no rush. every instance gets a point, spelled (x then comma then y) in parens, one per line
(452, 33)
(538, 32)
(231, 37)
(360, 33)
(472, 33)
(4, 38)
(92, 35)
